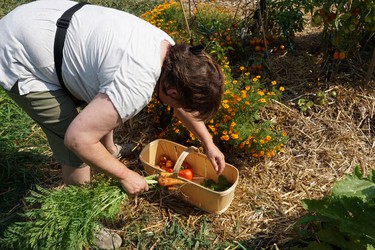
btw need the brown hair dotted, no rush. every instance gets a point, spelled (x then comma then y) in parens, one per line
(198, 79)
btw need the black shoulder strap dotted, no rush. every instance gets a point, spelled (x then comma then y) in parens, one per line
(62, 25)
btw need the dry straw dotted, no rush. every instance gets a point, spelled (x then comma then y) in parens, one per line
(324, 143)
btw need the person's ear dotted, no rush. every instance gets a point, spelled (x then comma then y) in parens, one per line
(172, 92)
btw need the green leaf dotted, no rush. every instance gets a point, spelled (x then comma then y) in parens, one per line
(318, 246)
(353, 215)
(371, 175)
(352, 186)
(357, 172)
(334, 237)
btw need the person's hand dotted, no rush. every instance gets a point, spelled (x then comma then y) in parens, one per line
(216, 158)
(133, 183)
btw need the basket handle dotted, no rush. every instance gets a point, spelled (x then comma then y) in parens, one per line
(181, 159)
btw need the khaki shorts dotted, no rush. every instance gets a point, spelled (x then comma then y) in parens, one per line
(53, 111)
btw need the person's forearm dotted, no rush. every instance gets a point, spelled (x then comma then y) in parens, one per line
(97, 156)
(198, 128)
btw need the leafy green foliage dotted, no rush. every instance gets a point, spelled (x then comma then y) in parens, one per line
(221, 185)
(347, 26)
(135, 7)
(64, 218)
(345, 218)
(285, 17)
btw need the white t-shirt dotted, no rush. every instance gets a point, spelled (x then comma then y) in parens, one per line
(105, 51)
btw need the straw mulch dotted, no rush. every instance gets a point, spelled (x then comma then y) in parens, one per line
(324, 143)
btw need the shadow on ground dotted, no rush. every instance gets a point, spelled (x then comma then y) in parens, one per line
(20, 171)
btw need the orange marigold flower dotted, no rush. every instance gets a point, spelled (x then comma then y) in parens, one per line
(212, 128)
(224, 138)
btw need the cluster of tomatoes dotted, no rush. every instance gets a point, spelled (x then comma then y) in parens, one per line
(166, 164)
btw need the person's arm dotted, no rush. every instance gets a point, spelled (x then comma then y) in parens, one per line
(199, 129)
(83, 137)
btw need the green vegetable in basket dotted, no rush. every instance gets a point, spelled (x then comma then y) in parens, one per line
(222, 184)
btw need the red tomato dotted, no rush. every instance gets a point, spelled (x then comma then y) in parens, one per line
(170, 170)
(186, 173)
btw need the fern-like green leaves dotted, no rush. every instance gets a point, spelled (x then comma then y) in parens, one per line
(64, 218)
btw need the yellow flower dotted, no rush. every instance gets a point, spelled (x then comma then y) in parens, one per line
(282, 88)
(192, 136)
(234, 136)
(242, 68)
(255, 79)
(234, 82)
(262, 100)
(247, 88)
(261, 93)
(258, 77)
(247, 73)
(273, 82)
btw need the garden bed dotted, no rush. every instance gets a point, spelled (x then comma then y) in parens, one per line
(324, 143)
